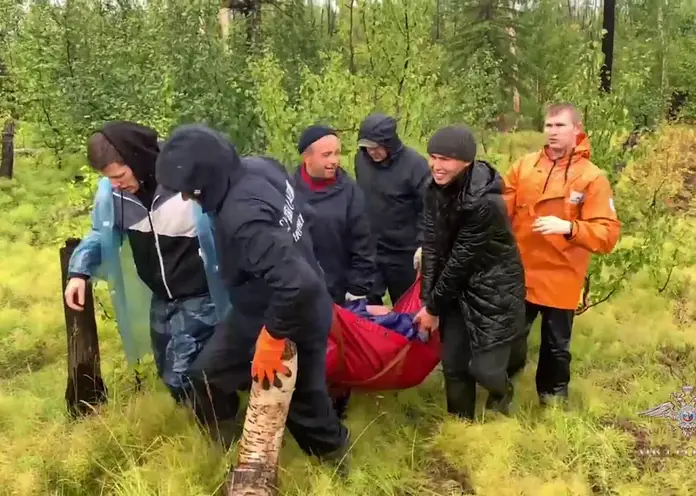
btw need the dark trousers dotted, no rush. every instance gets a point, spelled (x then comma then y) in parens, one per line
(463, 371)
(224, 367)
(553, 368)
(394, 274)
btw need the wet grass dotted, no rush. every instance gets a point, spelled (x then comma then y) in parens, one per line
(628, 355)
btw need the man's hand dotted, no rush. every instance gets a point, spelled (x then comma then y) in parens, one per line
(426, 322)
(75, 293)
(417, 259)
(268, 360)
(551, 225)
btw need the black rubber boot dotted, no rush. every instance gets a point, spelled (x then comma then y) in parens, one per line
(560, 400)
(461, 397)
(501, 404)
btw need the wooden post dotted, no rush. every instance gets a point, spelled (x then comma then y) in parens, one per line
(7, 155)
(256, 473)
(85, 385)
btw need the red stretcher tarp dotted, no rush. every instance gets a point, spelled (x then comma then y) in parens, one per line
(366, 356)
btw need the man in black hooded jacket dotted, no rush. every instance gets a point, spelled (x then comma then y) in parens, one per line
(161, 230)
(276, 285)
(473, 281)
(393, 178)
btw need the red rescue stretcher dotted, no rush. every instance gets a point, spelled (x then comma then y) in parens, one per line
(363, 355)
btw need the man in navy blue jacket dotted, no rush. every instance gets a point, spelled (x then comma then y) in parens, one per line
(275, 283)
(341, 230)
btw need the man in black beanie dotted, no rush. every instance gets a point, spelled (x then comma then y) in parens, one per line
(341, 230)
(473, 282)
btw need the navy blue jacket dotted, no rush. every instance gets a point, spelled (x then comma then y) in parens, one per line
(341, 235)
(261, 232)
(394, 190)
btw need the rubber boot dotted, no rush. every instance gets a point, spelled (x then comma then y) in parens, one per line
(501, 404)
(551, 400)
(461, 397)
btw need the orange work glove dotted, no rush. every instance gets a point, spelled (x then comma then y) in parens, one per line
(267, 362)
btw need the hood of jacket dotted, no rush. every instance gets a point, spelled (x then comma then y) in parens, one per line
(473, 183)
(201, 162)
(581, 151)
(138, 147)
(381, 129)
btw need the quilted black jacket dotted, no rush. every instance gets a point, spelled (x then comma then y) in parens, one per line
(470, 258)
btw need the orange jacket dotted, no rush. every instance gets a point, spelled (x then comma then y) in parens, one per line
(571, 188)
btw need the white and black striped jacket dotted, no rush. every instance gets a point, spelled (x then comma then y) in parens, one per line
(163, 240)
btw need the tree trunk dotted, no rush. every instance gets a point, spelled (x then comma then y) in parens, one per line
(251, 10)
(663, 51)
(608, 22)
(256, 473)
(7, 156)
(85, 387)
(224, 20)
(513, 51)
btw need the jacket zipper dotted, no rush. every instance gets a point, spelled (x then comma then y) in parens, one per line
(157, 245)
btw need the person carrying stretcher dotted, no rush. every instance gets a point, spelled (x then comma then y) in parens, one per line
(275, 284)
(472, 284)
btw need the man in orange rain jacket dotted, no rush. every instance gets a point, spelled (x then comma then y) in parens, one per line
(562, 210)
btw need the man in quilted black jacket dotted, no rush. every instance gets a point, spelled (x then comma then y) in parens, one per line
(473, 281)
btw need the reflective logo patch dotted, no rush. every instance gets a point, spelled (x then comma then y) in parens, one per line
(576, 197)
(611, 205)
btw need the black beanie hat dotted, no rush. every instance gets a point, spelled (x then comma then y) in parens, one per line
(312, 134)
(455, 142)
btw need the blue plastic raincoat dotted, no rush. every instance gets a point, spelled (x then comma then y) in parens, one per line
(105, 254)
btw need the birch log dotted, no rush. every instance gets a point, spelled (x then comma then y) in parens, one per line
(256, 473)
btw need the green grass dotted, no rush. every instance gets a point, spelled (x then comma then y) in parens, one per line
(140, 443)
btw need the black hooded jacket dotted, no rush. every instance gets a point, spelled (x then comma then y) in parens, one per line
(261, 231)
(138, 147)
(470, 259)
(159, 224)
(393, 189)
